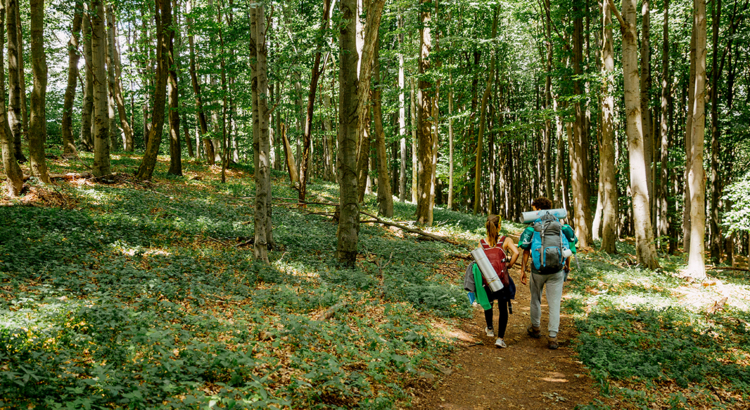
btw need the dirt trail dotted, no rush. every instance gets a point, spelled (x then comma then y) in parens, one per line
(525, 375)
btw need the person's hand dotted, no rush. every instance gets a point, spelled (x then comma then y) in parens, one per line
(524, 278)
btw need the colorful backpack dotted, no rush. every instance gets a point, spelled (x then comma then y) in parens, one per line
(497, 258)
(549, 247)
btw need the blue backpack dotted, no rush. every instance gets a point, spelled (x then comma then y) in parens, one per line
(549, 246)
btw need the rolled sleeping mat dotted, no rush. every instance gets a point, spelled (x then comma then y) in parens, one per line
(488, 272)
(531, 216)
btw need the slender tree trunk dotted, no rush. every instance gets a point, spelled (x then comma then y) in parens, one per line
(385, 196)
(315, 76)
(579, 144)
(607, 170)
(686, 220)
(224, 95)
(644, 235)
(450, 145)
(716, 239)
(163, 16)
(99, 78)
(207, 144)
(663, 223)
(69, 147)
(696, 175)
(401, 117)
(645, 85)
(424, 125)
(14, 78)
(38, 128)
(372, 26)
(88, 87)
(483, 116)
(348, 229)
(109, 60)
(261, 137)
(21, 75)
(175, 148)
(14, 176)
(119, 100)
(414, 166)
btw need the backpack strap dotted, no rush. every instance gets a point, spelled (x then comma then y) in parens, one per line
(484, 244)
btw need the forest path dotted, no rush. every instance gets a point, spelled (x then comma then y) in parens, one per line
(525, 375)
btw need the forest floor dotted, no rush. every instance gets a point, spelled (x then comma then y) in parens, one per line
(126, 294)
(525, 375)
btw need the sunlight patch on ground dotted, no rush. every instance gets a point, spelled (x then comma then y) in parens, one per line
(125, 249)
(98, 197)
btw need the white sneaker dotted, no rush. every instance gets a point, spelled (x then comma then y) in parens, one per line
(489, 332)
(500, 343)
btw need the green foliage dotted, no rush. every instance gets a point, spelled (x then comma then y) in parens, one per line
(738, 218)
(139, 298)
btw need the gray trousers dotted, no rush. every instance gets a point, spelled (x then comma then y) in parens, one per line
(554, 284)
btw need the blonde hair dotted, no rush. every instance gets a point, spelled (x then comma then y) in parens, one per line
(493, 225)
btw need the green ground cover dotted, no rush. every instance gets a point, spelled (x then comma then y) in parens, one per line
(141, 296)
(654, 340)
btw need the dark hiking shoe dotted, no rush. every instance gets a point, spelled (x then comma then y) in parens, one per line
(534, 332)
(553, 343)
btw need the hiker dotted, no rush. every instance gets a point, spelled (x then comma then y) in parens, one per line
(538, 280)
(499, 260)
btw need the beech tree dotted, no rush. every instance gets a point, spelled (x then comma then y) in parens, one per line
(14, 176)
(69, 148)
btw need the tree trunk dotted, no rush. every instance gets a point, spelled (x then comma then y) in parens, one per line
(385, 197)
(38, 127)
(125, 127)
(645, 85)
(663, 222)
(69, 147)
(696, 175)
(424, 125)
(414, 165)
(15, 54)
(109, 60)
(315, 76)
(401, 117)
(175, 147)
(207, 144)
(450, 145)
(14, 176)
(372, 26)
(644, 235)
(88, 88)
(163, 17)
(99, 78)
(261, 137)
(224, 95)
(686, 220)
(607, 171)
(579, 145)
(348, 228)
(483, 116)
(716, 239)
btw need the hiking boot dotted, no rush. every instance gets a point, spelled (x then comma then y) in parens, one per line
(500, 343)
(489, 332)
(534, 332)
(552, 344)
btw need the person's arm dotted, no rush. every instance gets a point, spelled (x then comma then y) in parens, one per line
(511, 247)
(525, 263)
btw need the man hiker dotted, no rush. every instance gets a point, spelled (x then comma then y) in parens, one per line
(538, 279)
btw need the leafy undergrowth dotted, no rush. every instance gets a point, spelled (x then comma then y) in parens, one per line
(145, 295)
(654, 340)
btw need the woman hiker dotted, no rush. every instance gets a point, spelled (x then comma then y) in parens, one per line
(484, 295)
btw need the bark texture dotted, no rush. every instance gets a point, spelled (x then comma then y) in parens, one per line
(38, 124)
(14, 176)
(424, 125)
(175, 147)
(99, 79)
(644, 236)
(69, 147)
(14, 77)
(163, 18)
(116, 90)
(696, 175)
(88, 86)
(385, 197)
(348, 228)
(608, 176)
